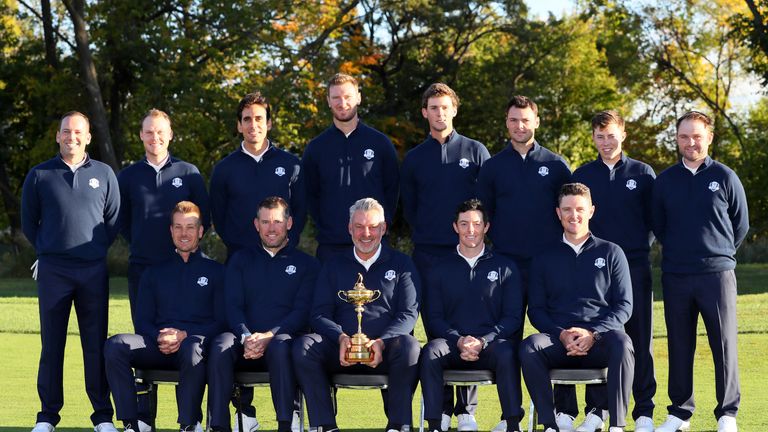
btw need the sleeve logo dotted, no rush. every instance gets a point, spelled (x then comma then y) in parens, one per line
(464, 163)
(177, 182)
(291, 269)
(389, 275)
(202, 281)
(493, 276)
(631, 184)
(368, 154)
(543, 171)
(600, 263)
(279, 171)
(94, 183)
(714, 186)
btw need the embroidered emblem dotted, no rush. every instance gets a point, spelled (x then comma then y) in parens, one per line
(177, 182)
(94, 183)
(202, 281)
(543, 171)
(631, 184)
(368, 154)
(493, 276)
(600, 263)
(291, 269)
(389, 275)
(714, 186)
(280, 171)
(464, 162)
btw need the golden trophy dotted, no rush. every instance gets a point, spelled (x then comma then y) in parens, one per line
(359, 296)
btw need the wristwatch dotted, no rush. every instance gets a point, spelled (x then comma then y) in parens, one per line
(243, 336)
(596, 336)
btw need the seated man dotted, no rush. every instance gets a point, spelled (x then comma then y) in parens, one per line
(580, 297)
(474, 308)
(388, 322)
(268, 293)
(180, 306)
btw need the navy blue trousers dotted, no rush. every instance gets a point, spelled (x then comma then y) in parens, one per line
(541, 352)
(315, 359)
(59, 286)
(713, 296)
(123, 352)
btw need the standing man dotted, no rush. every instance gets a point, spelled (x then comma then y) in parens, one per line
(700, 217)
(474, 312)
(70, 208)
(388, 321)
(621, 189)
(255, 171)
(181, 309)
(269, 292)
(580, 297)
(149, 190)
(437, 176)
(348, 161)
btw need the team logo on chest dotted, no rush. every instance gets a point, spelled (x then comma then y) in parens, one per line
(279, 171)
(368, 154)
(631, 184)
(202, 281)
(94, 183)
(543, 171)
(177, 182)
(389, 275)
(291, 269)
(714, 186)
(464, 162)
(493, 276)
(600, 263)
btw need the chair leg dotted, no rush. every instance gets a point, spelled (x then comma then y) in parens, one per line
(152, 405)
(301, 411)
(239, 409)
(532, 418)
(421, 414)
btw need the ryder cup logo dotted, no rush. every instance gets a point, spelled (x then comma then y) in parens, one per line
(389, 275)
(368, 154)
(543, 171)
(176, 182)
(714, 186)
(280, 171)
(464, 162)
(94, 183)
(631, 184)
(291, 269)
(493, 276)
(202, 281)
(600, 263)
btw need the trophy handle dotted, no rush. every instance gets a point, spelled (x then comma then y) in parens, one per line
(376, 295)
(344, 298)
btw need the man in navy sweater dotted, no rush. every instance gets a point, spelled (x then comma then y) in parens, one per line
(437, 176)
(268, 294)
(700, 216)
(474, 312)
(388, 321)
(254, 171)
(348, 161)
(149, 190)
(180, 309)
(69, 212)
(621, 190)
(580, 297)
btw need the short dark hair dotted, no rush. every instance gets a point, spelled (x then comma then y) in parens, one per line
(342, 78)
(696, 115)
(438, 90)
(274, 202)
(578, 189)
(255, 98)
(76, 113)
(187, 207)
(602, 119)
(473, 204)
(522, 102)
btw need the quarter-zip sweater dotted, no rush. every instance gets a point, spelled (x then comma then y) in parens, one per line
(435, 179)
(266, 293)
(238, 185)
(481, 301)
(699, 219)
(591, 290)
(188, 296)
(520, 196)
(341, 170)
(393, 314)
(70, 216)
(622, 199)
(147, 200)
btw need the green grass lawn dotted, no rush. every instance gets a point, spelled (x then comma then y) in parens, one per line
(362, 410)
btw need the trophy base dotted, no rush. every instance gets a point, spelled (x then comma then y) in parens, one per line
(358, 352)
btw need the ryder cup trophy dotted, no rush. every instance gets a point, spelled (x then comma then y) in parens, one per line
(359, 296)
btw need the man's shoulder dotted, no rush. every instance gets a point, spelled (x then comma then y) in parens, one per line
(546, 155)
(182, 166)
(282, 155)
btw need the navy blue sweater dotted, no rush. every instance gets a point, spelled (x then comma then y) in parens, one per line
(393, 314)
(622, 199)
(147, 198)
(70, 217)
(591, 290)
(239, 184)
(699, 219)
(521, 196)
(188, 296)
(266, 293)
(436, 178)
(340, 170)
(484, 301)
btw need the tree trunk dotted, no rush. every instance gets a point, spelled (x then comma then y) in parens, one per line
(50, 40)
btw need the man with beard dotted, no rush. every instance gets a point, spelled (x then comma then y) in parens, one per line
(348, 161)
